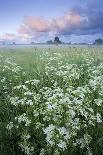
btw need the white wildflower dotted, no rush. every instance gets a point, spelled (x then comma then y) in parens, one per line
(62, 145)
(10, 126)
(99, 118)
(98, 102)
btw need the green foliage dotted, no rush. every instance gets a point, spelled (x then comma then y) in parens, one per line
(57, 40)
(98, 42)
(51, 101)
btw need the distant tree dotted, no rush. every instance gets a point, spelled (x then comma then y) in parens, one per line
(49, 42)
(57, 41)
(98, 42)
(13, 43)
(69, 43)
(32, 43)
(3, 43)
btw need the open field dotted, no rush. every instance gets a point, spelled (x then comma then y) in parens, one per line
(51, 101)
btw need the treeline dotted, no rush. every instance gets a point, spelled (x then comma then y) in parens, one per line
(55, 41)
(58, 41)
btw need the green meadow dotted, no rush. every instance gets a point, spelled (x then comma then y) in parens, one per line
(51, 101)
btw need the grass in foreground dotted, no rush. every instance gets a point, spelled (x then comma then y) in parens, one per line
(51, 101)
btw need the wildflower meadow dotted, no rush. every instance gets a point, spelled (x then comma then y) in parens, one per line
(51, 101)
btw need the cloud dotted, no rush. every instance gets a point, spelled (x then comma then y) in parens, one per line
(76, 21)
(34, 27)
(90, 22)
(38, 24)
(31, 28)
(69, 21)
(7, 36)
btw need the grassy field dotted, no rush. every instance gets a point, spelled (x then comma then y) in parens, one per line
(51, 101)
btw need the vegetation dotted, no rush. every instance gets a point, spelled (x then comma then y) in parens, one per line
(51, 101)
(56, 41)
(49, 42)
(98, 42)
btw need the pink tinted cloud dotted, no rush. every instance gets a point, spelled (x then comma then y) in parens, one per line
(8, 36)
(36, 26)
(69, 20)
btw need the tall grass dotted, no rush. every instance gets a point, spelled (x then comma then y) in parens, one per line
(51, 101)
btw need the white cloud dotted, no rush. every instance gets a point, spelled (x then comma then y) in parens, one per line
(8, 36)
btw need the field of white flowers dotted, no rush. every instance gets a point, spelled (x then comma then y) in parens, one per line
(51, 101)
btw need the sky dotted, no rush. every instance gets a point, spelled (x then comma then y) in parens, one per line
(41, 20)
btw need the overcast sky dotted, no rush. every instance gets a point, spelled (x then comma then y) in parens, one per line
(40, 20)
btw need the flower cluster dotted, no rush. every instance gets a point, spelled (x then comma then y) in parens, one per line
(57, 111)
